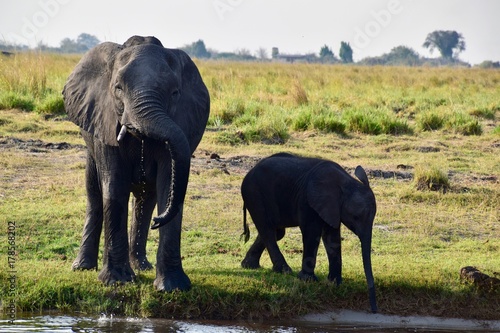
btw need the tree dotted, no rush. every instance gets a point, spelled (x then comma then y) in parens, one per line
(345, 52)
(449, 43)
(325, 52)
(82, 44)
(262, 54)
(403, 55)
(326, 55)
(86, 40)
(197, 49)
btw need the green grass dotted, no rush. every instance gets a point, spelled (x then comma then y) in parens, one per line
(374, 117)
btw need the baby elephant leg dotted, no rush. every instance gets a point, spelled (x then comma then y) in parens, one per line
(252, 258)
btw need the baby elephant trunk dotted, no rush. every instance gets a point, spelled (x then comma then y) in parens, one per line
(366, 245)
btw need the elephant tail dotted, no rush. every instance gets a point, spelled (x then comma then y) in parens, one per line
(246, 230)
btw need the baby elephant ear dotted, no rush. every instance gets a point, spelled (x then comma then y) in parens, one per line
(361, 174)
(87, 97)
(324, 193)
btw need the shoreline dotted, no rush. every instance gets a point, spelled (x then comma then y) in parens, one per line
(366, 319)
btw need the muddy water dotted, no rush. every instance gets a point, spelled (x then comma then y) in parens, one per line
(335, 322)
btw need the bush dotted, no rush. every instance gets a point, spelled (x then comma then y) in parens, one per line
(271, 129)
(302, 121)
(299, 94)
(431, 178)
(429, 121)
(329, 124)
(13, 100)
(485, 112)
(464, 124)
(396, 126)
(234, 109)
(362, 122)
(53, 104)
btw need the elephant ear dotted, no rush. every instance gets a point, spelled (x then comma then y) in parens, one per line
(87, 97)
(324, 193)
(193, 107)
(361, 174)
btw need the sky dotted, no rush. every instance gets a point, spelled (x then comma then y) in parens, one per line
(371, 27)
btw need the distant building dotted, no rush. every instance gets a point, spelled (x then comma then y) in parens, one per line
(311, 57)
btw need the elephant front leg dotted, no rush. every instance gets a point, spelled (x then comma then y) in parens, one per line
(170, 275)
(311, 235)
(333, 246)
(89, 247)
(116, 266)
(143, 206)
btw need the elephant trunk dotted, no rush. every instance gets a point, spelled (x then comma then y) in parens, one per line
(155, 124)
(366, 246)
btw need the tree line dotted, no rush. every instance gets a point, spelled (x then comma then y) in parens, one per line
(448, 43)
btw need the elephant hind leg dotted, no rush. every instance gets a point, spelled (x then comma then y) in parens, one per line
(252, 259)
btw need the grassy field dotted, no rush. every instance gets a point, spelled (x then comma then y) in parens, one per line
(428, 137)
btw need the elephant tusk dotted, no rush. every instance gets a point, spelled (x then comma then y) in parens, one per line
(122, 133)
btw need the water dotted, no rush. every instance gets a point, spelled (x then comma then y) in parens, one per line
(109, 324)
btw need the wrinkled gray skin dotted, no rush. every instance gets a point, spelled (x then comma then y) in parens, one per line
(285, 190)
(142, 110)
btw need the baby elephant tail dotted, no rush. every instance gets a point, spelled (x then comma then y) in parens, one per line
(246, 230)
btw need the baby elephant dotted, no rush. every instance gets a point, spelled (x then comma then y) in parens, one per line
(285, 190)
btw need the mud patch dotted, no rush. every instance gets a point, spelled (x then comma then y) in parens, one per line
(35, 146)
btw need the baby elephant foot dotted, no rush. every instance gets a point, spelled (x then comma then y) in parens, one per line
(337, 279)
(120, 274)
(140, 263)
(307, 276)
(250, 263)
(282, 268)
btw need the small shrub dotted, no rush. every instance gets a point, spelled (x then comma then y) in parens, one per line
(431, 178)
(464, 124)
(12, 100)
(396, 126)
(485, 112)
(215, 121)
(227, 138)
(299, 94)
(497, 130)
(362, 122)
(234, 109)
(329, 124)
(302, 121)
(429, 121)
(53, 105)
(272, 129)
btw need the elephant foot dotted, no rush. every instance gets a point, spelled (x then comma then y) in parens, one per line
(337, 279)
(140, 263)
(121, 274)
(172, 280)
(250, 263)
(82, 263)
(284, 268)
(307, 276)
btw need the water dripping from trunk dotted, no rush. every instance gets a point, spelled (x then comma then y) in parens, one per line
(142, 189)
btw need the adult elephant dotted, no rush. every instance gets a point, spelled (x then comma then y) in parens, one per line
(285, 190)
(142, 110)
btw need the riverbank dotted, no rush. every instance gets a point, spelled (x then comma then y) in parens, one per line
(403, 125)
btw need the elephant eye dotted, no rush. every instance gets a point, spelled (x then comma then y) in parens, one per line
(176, 93)
(118, 89)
